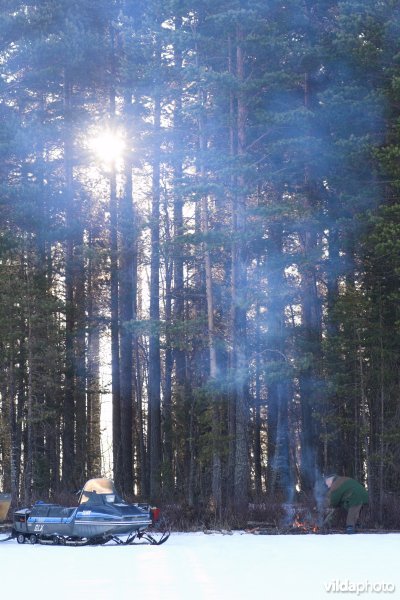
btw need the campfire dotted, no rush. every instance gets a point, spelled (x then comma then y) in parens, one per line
(300, 519)
(300, 525)
(296, 519)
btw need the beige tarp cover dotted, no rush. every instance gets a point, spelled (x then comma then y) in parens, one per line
(100, 486)
(5, 501)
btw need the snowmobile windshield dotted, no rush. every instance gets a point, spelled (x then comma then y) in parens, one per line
(94, 487)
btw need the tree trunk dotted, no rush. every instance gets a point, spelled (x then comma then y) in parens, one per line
(230, 474)
(31, 425)
(167, 458)
(80, 359)
(68, 445)
(154, 341)
(117, 444)
(93, 370)
(256, 409)
(312, 326)
(14, 451)
(241, 485)
(279, 467)
(216, 486)
(128, 241)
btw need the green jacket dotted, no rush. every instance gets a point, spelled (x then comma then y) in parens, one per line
(347, 492)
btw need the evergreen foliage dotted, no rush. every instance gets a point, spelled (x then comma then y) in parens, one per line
(238, 264)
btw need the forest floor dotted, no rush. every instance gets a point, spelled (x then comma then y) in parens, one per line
(195, 566)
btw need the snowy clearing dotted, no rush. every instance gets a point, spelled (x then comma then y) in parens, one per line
(195, 566)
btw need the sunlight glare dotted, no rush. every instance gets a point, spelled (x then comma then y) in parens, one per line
(108, 146)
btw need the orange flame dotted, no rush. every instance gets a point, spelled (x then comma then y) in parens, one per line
(299, 524)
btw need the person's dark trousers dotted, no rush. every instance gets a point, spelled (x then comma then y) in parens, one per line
(352, 515)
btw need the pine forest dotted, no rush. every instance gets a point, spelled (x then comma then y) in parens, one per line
(200, 249)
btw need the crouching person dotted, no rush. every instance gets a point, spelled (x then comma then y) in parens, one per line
(347, 493)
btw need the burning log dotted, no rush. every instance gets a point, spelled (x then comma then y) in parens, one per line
(299, 526)
(297, 520)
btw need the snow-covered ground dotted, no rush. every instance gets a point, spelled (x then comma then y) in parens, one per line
(194, 566)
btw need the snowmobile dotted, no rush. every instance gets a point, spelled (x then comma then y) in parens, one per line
(100, 517)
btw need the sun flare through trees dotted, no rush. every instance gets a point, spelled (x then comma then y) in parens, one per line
(204, 196)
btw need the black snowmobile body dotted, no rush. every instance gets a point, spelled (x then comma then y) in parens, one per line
(101, 516)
